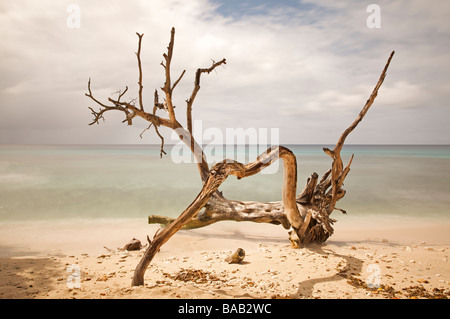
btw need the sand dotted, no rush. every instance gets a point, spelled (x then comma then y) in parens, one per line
(383, 257)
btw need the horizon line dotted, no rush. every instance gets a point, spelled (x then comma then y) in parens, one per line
(268, 145)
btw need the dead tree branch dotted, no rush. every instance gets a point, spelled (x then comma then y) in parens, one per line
(315, 202)
(131, 111)
(179, 79)
(99, 115)
(167, 84)
(306, 215)
(337, 172)
(217, 175)
(138, 54)
(190, 101)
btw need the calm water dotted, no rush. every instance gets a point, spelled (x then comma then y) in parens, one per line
(59, 182)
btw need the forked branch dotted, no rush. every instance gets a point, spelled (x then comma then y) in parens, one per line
(131, 110)
(337, 172)
(190, 101)
(104, 108)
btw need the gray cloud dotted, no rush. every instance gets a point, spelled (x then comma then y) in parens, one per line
(305, 69)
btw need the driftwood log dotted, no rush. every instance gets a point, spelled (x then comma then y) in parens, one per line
(306, 215)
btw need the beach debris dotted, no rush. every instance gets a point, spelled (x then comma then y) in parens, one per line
(194, 275)
(134, 244)
(412, 292)
(236, 257)
(415, 292)
(102, 278)
(423, 281)
(369, 255)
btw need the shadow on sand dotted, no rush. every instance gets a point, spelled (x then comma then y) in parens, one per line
(28, 276)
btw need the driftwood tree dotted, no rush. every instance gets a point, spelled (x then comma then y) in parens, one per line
(306, 216)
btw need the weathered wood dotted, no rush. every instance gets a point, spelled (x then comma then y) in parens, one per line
(141, 87)
(319, 199)
(306, 216)
(306, 196)
(335, 154)
(220, 209)
(163, 236)
(217, 175)
(191, 99)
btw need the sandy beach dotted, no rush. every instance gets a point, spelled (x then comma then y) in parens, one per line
(366, 258)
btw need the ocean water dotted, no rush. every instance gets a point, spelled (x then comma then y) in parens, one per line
(60, 182)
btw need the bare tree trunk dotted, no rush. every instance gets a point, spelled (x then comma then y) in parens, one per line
(217, 175)
(306, 216)
(318, 198)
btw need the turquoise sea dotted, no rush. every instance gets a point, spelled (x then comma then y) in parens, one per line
(54, 182)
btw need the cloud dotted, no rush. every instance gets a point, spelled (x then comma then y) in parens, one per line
(306, 68)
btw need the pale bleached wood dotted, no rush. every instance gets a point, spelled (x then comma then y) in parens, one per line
(217, 175)
(306, 215)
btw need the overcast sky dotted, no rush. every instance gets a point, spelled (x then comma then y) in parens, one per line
(304, 67)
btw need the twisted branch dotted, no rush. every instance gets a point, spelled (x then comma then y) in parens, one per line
(307, 215)
(217, 175)
(99, 115)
